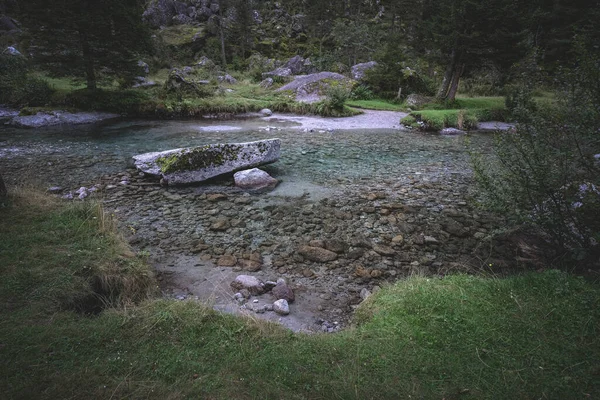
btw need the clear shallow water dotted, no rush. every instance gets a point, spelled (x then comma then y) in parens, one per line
(70, 154)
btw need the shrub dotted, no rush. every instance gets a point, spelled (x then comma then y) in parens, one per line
(361, 92)
(19, 89)
(546, 171)
(336, 96)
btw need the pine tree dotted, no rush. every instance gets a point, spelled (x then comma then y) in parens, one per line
(84, 37)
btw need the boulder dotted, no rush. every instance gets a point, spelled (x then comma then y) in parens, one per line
(281, 72)
(254, 179)
(227, 79)
(308, 88)
(12, 51)
(265, 112)
(178, 82)
(197, 164)
(251, 283)
(159, 13)
(267, 83)
(205, 62)
(417, 100)
(317, 254)
(359, 70)
(295, 65)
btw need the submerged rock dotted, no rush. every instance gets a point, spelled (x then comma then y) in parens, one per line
(254, 179)
(317, 254)
(197, 164)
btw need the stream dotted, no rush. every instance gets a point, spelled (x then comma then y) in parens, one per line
(392, 202)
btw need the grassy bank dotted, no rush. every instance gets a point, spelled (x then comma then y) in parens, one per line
(533, 336)
(463, 113)
(381, 105)
(155, 102)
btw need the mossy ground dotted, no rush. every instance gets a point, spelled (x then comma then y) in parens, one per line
(529, 336)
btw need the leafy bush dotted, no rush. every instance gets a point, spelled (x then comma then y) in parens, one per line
(121, 101)
(546, 171)
(19, 89)
(361, 92)
(336, 96)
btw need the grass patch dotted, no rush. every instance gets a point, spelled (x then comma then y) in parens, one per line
(380, 105)
(531, 336)
(463, 113)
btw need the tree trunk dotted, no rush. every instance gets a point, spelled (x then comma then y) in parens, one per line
(454, 85)
(441, 94)
(88, 60)
(3, 191)
(222, 37)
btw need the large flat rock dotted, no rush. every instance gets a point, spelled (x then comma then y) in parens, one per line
(51, 118)
(197, 164)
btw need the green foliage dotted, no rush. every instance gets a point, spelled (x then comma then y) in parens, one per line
(545, 170)
(463, 113)
(121, 101)
(382, 105)
(361, 92)
(336, 95)
(89, 39)
(17, 87)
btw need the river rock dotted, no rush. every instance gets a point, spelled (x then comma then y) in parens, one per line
(197, 164)
(359, 70)
(452, 132)
(227, 261)
(383, 250)
(283, 291)
(281, 307)
(254, 179)
(251, 283)
(317, 254)
(308, 88)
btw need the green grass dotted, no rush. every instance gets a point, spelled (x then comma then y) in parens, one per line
(381, 105)
(530, 336)
(463, 113)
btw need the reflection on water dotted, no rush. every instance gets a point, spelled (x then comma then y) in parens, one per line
(320, 157)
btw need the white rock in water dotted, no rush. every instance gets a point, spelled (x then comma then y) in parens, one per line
(281, 307)
(197, 164)
(254, 179)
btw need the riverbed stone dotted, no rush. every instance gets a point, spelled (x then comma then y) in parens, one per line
(197, 164)
(254, 179)
(283, 291)
(227, 260)
(317, 254)
(251, 283)
(220, 225)
(281, 307)
(383, 250)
